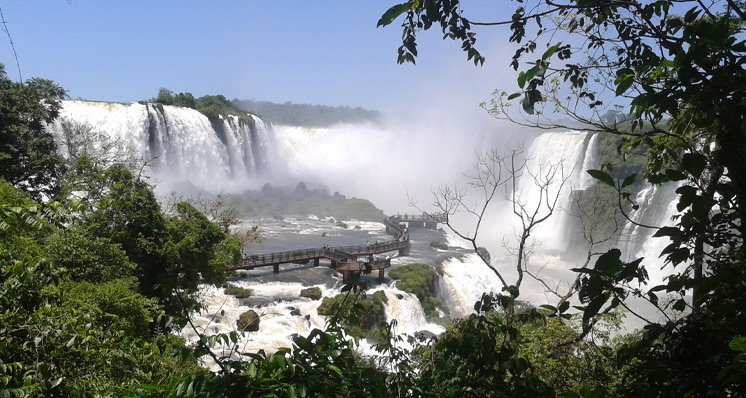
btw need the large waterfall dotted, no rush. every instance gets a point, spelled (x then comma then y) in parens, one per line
(385, 165)
(553, 169)
(179, 144)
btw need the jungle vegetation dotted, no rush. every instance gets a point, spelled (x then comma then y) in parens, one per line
(94, 274)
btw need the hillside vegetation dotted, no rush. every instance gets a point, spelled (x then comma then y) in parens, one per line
(306, 115)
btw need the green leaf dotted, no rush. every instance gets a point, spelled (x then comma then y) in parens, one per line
(624, 84)
(549, 52)
(679, 305)
(521, 79)
(738, 344)
(392, 13)
(513, 96)
(549, 308)
(336, 369)
(602, 176)
(531, 73)
(629, 180)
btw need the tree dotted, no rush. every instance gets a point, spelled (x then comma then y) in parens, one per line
(677, 69)
(28, 154)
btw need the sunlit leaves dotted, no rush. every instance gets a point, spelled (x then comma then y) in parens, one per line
(392, 13)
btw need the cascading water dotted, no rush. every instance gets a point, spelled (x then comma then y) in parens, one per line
(463, 282)
(216, 154)
(656, 208)
(552, 171)
(179, 143)
(590, 161)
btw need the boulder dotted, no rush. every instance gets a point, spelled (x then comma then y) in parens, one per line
(314, 293)
(248, 321)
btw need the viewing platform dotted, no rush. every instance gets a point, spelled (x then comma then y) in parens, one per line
(344, 259)
(395, 224)
(347, 259)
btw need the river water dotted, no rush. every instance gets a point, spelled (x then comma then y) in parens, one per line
(275, 296)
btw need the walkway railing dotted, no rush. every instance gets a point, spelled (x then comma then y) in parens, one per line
(340, 254)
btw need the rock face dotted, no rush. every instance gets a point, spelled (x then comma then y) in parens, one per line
(314, 293)
(248, 321)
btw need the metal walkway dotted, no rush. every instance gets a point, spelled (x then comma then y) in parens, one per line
(345, 258)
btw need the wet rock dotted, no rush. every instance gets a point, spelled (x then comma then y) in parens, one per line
(248, 321)
(314, 293)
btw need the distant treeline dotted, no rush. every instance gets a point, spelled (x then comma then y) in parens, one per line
(211, 106)
(279, 201)
(307, 115)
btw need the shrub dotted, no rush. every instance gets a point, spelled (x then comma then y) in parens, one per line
(314, 293)
(438, 245)
(239, 292)
(367, 313)
(482, 251)
(422, 281)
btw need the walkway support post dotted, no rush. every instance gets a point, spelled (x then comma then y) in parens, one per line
(380, 275)
(276, 268)
(316, 262)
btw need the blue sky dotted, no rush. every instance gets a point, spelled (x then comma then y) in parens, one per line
(313, 52)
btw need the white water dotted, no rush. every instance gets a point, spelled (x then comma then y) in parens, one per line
(384, 164)
(553, 170)
(657, 206)
(370, 162)
(179, 144)
(590, 161)
(464, 280)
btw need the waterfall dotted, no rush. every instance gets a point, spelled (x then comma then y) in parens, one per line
(657, 205)
(590, 161)
(553, 169)
(464, 281)
(179, 144)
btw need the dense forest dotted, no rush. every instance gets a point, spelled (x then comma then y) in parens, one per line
(96, 276)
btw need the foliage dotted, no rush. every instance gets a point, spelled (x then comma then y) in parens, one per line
(422, 281)
(192, 244)
(677, 70)
(314, 293)
(271, 201)
(28, 153)
(212, 106)
(585, 364)
(172, 253)
(484, 254)
(21, 218)
(89, 259)
(438, 245)
(476, 357)
(367, 314)
(70, 339)
(239, 292)
(305, 115)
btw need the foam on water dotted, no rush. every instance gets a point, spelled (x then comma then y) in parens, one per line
(465, 279)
